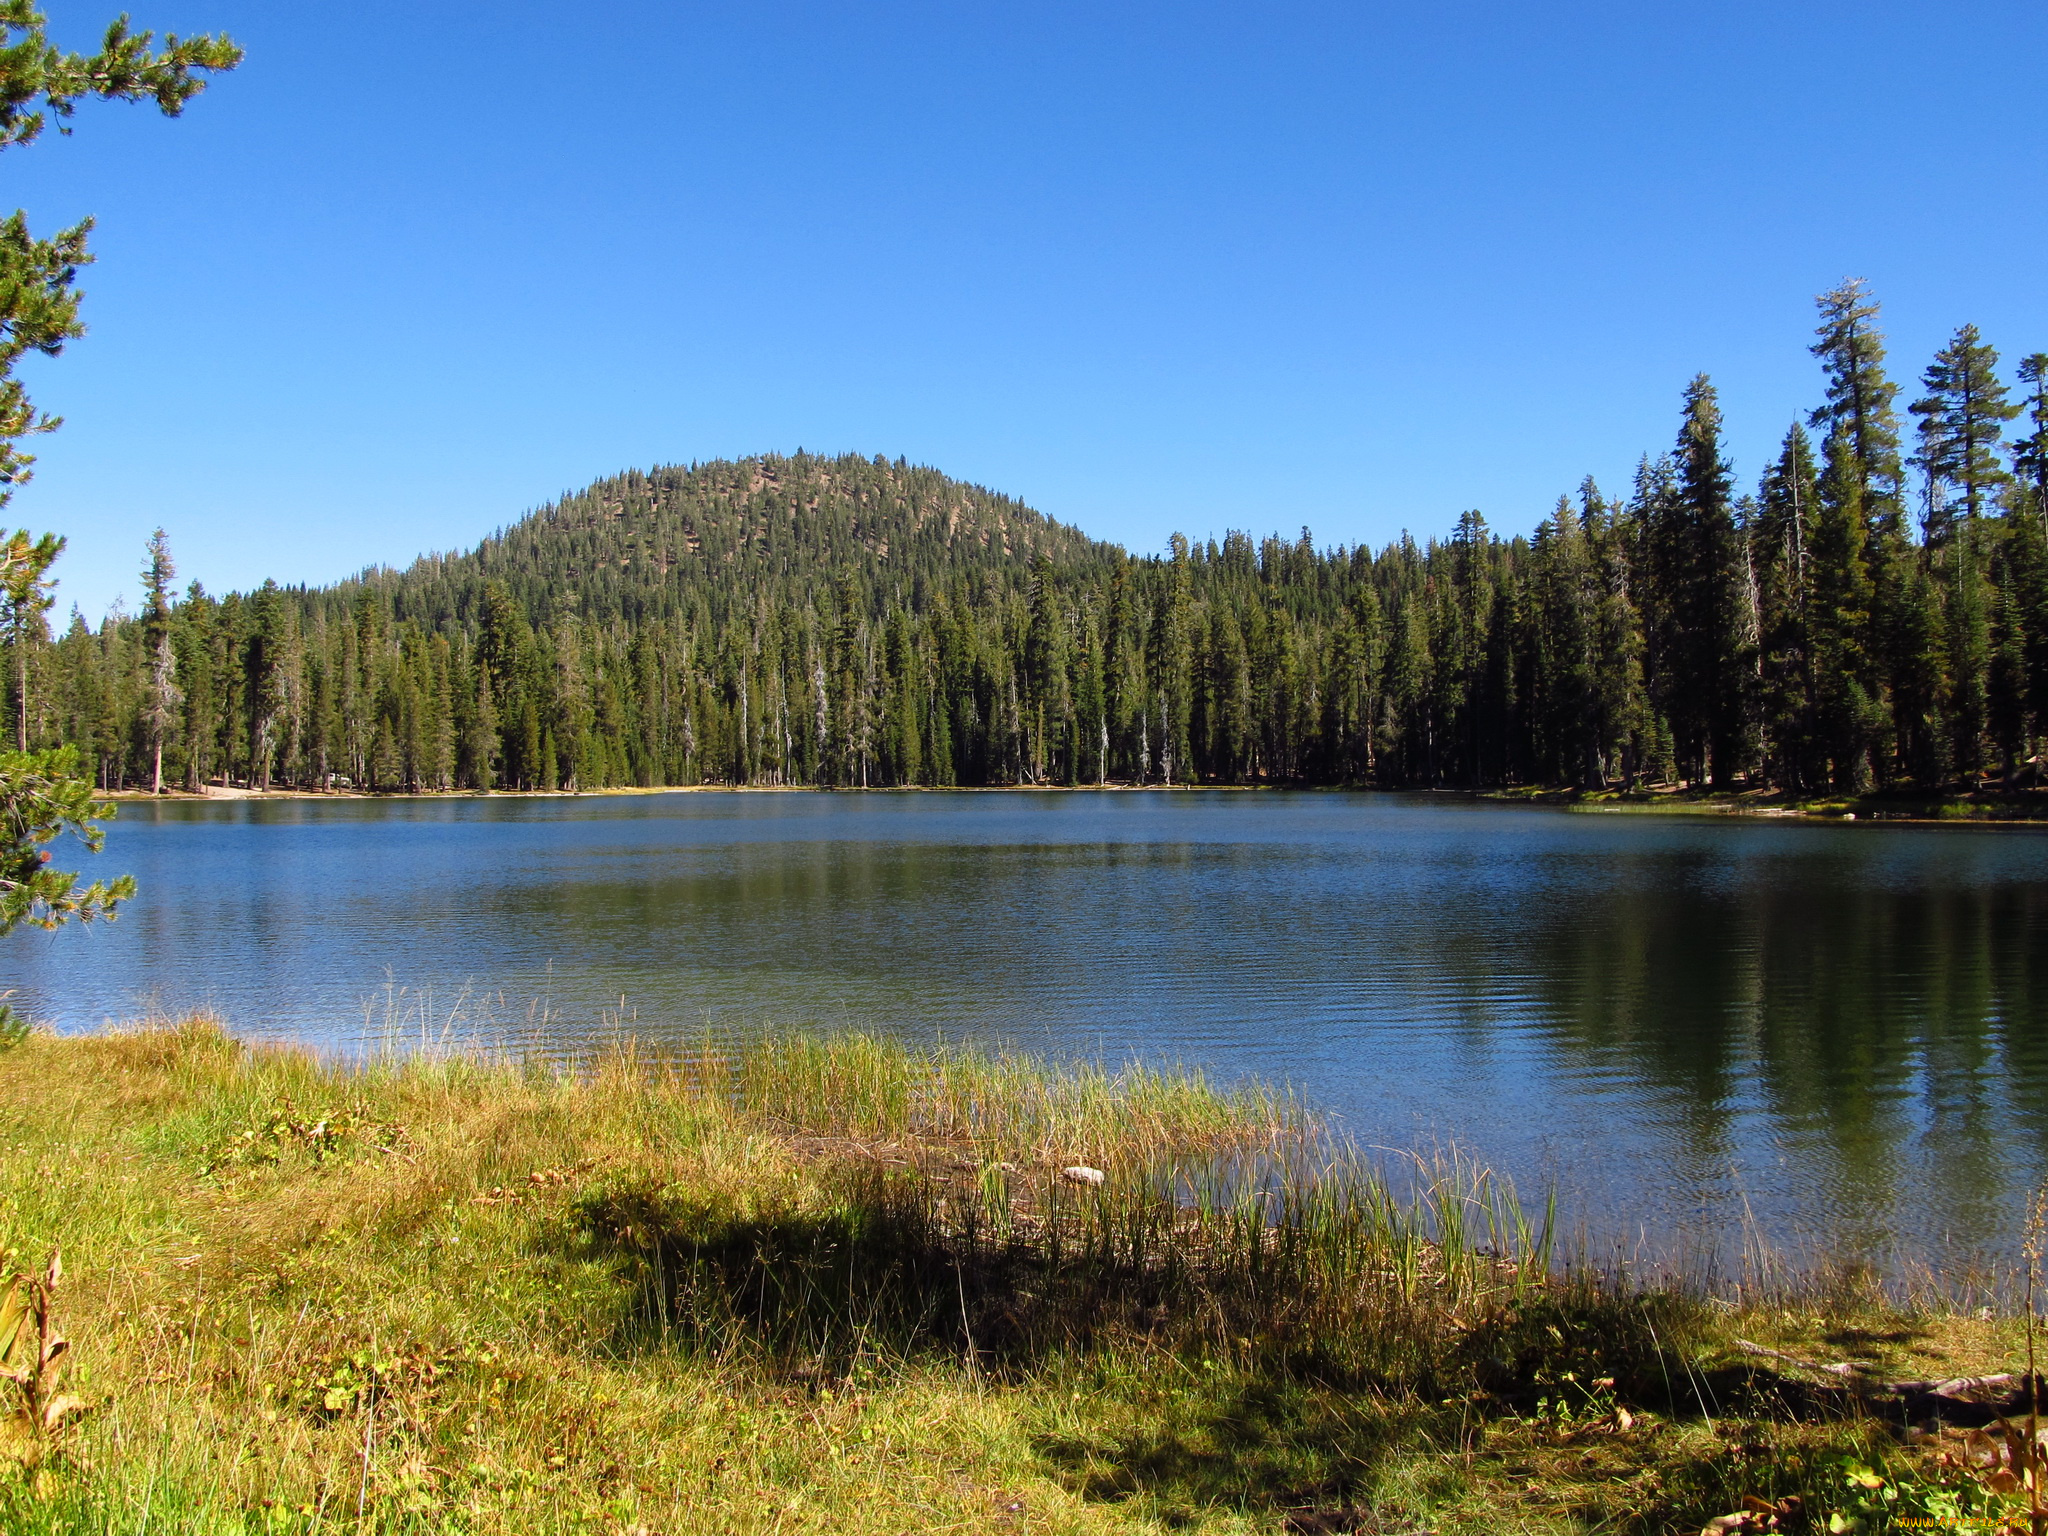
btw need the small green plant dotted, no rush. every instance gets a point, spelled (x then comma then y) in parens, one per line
(1970, 1481)
(337, 1385)
(286, 1130)
(13, 1028)
(1988, 1475)
(32, 1358)
(1564, 1402)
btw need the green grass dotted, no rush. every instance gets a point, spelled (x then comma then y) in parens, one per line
(845, 1286)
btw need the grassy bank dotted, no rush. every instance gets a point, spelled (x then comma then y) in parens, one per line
(1984, 806)
(852, 1288)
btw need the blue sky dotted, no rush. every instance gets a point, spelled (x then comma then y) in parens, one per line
(415, 269)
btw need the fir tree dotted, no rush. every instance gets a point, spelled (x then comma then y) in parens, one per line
(25, 596)
(1780, 550)
(1962, 418)
(162, 695)
(1565, 666)
(1860, 396)
(1705, 687)
(2017, 574)
(1840, 670)
(2030, 453)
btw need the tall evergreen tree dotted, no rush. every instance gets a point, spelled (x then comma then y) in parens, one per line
(161, 693)
(2019, 574)
(1841, 677)
(1860, 396)
(1170, 657)
(266, 670)
(1706, 688)
(1914, 638)
(1781, 541)
(25, 596)
(1962, 419)
(2030, 453)
(1566, 663)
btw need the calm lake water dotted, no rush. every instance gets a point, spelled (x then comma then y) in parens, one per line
(1839, 1033)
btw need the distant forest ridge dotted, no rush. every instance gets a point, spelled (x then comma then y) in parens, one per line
(1874, 613)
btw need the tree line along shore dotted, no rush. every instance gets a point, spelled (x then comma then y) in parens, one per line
(1873, 617)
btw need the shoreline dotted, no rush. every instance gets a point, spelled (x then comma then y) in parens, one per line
(869, 1288)
(2028, 809)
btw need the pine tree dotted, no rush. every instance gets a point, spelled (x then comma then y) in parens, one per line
(2030, 453)
(1915, 642)
(2017, 565)
(2023, 634)
(477, 729)
(1170, 657)
(504, 665)
(1566, 613)
(1962, 418)
(1229, 740)
(1463, 645)
(25, 584)
(1860, 396)
(1621, 698)
(267, 669)
(1780, 543)
(162, 696)
(1967, 602)
(194, 646)
(1697, 553)
(902, 737)
(1091, 702)
(1359, 682)
(1409, 720)
(1841, 674)
(1048, 699)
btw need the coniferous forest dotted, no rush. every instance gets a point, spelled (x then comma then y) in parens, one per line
(1872, 614)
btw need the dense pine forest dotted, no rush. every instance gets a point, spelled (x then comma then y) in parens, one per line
(1873, 615)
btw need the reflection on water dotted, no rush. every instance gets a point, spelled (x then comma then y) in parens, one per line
(1842, 1030)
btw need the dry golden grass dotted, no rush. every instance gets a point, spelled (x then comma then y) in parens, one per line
(844, 1287)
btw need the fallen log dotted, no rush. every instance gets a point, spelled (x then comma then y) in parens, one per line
(1959, 1400)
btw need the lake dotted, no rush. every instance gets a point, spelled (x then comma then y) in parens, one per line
(1836, 1033)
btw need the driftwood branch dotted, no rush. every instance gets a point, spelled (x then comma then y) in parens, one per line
(1846, 1369)
(1957, 1399)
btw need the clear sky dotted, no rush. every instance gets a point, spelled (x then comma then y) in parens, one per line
(417, 268)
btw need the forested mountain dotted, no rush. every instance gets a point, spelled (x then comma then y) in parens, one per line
(1868, 617)
(727, 537)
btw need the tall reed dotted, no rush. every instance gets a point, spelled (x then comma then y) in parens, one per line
(944, 1213)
